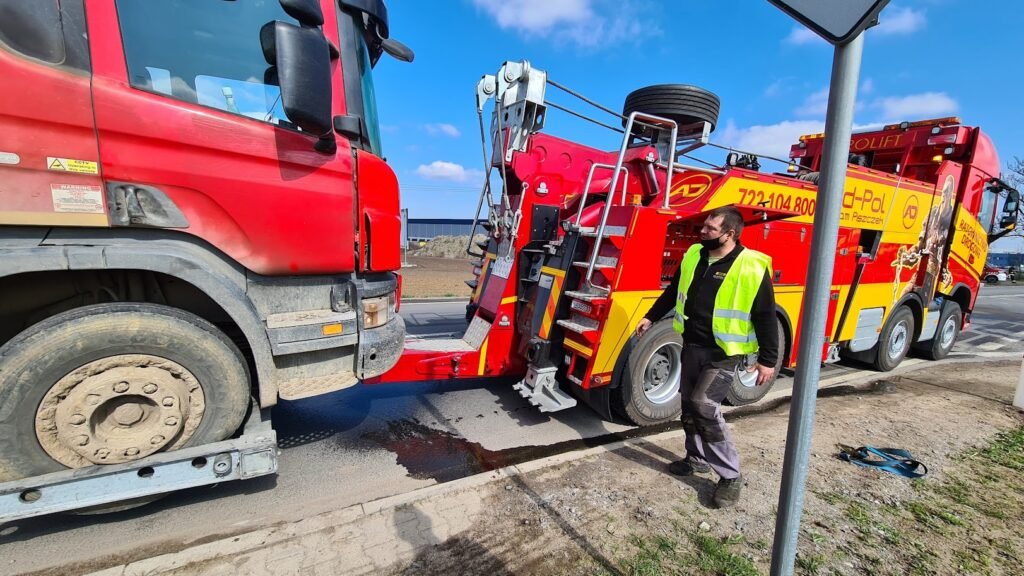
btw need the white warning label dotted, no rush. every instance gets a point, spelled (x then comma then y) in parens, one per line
(77, 198)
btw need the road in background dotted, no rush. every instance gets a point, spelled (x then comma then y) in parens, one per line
(367, 443)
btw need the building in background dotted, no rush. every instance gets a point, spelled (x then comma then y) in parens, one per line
(423, 229)
(1004, 260)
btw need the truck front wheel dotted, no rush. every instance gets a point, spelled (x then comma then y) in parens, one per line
(113, 383)
(894, 342)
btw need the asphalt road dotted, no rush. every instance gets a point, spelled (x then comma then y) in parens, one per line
(367, 443)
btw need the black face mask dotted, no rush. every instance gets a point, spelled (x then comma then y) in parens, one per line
(712, 243)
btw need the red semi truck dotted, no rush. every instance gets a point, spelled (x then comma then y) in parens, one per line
(195, 221)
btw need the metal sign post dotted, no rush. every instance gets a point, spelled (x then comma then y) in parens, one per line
(1018, 398)
(841, 22)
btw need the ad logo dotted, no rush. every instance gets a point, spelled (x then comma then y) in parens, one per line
(910, 208)
(689, 188)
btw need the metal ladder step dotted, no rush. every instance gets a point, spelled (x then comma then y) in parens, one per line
(574, 379)
(603, 263)
(609, 231)
(586, 296)
(472, 283)
(579, 325)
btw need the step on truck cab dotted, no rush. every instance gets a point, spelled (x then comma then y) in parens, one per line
(195, 221)
(581, 241)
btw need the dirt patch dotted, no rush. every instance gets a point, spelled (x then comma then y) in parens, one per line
(430, 277)
(621, 513)
(447, 247)
(439, 268)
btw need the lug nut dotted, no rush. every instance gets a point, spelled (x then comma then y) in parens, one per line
(102, 453)
(156, 440)
(131, 452)
(77, 419)
(168, 401)
(172, 421)
(121, 387)
(92, 399)
(150, 388)
(82, 440)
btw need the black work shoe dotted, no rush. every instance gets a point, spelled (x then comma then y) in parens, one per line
(688, 467)
(727, 493)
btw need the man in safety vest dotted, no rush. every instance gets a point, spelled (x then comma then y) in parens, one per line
(725, 311)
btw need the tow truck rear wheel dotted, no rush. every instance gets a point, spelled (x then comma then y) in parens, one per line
(649, 391)
(682, 103)
(894, 342)
(114, 383)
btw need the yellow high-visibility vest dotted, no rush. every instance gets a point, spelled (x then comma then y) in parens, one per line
(730, 321)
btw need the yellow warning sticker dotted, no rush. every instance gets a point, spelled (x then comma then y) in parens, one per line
(72, 165)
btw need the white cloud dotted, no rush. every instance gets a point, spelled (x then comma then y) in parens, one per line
(899, 20)
(816, 104)
(913, 106)
(803, 35)
(771, 140)
(586, 23)
(894, 21)
(867, 86)
(774, 89)
(441, 170)
(442, 129)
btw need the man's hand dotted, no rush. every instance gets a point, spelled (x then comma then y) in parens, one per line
(642, 327)
(764, 373)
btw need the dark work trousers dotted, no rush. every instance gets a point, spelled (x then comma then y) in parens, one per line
(705, 380)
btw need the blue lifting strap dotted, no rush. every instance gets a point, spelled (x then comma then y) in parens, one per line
(893, 460)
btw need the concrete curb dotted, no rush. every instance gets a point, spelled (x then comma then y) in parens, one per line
(438, 299)
(254, 541)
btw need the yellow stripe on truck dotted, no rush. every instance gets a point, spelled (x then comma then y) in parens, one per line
(624, 313)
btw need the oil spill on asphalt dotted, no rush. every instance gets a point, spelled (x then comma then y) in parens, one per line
(428, 453)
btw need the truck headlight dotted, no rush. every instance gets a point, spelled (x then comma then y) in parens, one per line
(378, 311)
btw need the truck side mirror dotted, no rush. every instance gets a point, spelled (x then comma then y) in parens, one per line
(1012, 203)
(306, 12)
(303, 62)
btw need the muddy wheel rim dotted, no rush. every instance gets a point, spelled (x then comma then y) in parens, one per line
(119, 409)
(948, 332)
(661, 375)
(898, 341)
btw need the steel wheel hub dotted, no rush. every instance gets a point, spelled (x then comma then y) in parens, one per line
(898, 342)
(661, 375)
(948, 332)
(119, 409)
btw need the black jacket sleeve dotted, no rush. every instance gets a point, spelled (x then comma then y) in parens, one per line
(666, 302)
(762, 316)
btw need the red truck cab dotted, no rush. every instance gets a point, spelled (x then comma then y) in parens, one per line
(193, 211)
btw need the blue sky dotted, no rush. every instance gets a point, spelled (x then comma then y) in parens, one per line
(927, 58)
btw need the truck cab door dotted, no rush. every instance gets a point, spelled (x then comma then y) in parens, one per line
(189, 110)
(49, 162)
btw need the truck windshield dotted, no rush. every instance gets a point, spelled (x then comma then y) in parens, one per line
(369, 98)
(360, 50)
